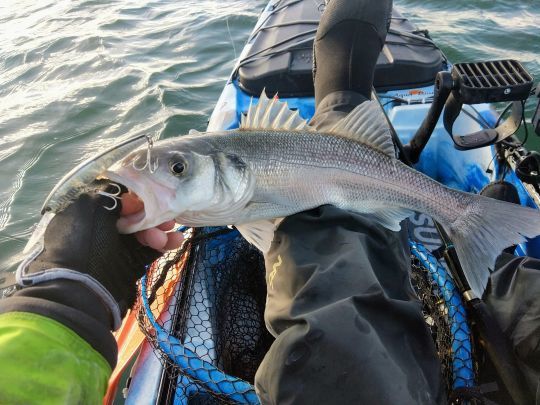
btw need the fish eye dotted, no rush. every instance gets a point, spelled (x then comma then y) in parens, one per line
(177, 167)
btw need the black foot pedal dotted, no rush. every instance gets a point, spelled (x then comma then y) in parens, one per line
(490, 82)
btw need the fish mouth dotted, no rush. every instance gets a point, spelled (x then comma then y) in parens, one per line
(154, 210)
(125, 222)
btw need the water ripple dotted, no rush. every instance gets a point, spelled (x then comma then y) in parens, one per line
(76, 77)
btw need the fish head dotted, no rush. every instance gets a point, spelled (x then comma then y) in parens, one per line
(190, 181)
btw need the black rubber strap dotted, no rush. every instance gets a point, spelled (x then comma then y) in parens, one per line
(485, 136)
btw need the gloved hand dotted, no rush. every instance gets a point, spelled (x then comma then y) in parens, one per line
(82, 243)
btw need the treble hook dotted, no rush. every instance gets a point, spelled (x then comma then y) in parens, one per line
(114, 196)
(152, 167)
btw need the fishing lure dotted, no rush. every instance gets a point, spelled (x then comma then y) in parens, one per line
(75, 181)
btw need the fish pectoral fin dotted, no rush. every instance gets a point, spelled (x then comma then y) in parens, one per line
(260, 233)
(271, 114)
(367, 124)
(391, 218)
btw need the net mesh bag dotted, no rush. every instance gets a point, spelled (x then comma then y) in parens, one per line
(201, 308)
(213, 337)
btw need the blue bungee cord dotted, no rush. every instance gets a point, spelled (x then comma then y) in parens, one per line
(203, 372)
(462, 363)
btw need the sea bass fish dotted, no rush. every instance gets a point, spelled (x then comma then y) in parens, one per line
(275, 165)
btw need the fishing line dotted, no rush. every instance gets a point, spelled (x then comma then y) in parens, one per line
(230, 37)
(507, 144)
(488, 169)
(473, 117)
(12, 237)
(480, 116)
(506, 109)
(523, 122)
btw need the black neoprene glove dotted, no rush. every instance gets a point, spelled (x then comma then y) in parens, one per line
(82, 244)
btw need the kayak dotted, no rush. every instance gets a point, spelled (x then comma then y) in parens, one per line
(201, 308)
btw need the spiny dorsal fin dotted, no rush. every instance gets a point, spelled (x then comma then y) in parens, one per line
(367, 124)
(271, 114)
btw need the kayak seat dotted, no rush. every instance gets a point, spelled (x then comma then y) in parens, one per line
(280, 57)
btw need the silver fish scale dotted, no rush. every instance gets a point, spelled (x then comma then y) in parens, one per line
(308, 169)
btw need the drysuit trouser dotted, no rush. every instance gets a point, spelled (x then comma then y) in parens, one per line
(348, 326)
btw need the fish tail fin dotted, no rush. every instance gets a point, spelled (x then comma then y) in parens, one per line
(486, 228)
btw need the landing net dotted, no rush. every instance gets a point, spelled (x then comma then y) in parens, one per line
(201, 308)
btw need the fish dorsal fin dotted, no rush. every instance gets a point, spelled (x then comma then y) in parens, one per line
(271, 114)
(368, 125)
(194, 132)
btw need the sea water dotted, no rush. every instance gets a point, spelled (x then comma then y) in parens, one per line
(76, 76)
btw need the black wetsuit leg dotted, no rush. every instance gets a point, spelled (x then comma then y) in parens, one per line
(349, 39)
(348, 326)
(512, 297)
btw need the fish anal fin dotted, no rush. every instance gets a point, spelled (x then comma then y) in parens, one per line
(391, 218)
(368, 125)
(272, 114)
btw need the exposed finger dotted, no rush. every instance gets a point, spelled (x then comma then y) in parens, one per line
(174, 240)
(154, 238)
(140, 236)
(167, 226)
